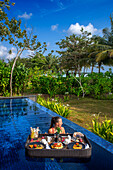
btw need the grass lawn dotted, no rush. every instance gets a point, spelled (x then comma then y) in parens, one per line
(85, 109)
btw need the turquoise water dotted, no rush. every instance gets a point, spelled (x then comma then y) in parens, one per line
(16, 118)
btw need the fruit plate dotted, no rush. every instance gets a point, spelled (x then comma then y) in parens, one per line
(36, 145)
(78, 145)
(57, 145)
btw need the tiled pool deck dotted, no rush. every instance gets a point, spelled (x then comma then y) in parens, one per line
(14, 129)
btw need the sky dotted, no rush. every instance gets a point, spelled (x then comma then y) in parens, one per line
(52, 20)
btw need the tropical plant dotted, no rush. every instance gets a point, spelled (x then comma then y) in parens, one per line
(35, 60)
(20, 79)
(51, 63)
(59, 108)
(103, 129)
(47, 63)
(4, 78)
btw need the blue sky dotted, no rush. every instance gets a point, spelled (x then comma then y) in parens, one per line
(52, 20)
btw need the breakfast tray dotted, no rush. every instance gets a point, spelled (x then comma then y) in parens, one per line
(57, 153)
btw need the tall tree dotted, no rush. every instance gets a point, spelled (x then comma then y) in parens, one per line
(75, 51)
(11, 31)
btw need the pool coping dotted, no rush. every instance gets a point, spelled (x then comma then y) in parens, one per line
(32, 97)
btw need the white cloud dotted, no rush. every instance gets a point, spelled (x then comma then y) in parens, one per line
(75, 29)
(4, 52)
(29, 52)
(54, 27)
(12, 55)
(25, 16)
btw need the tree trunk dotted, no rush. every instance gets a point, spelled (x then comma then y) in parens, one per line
(99, 65)
(75, 73)
(18, 54)
(67, 73)
(79, 71)
(84, 69)
(92, 69)
(80, 85)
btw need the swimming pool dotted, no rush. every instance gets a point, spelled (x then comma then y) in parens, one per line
(16, 118)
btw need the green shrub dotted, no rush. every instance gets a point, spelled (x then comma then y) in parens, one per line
(97, 84)
(103, 129)
(59, 108)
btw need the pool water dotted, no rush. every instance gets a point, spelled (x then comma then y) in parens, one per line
(16, 118)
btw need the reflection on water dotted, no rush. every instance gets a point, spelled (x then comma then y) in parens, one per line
(11, 108)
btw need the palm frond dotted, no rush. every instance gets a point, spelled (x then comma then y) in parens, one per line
(92, 54)
(102, 56)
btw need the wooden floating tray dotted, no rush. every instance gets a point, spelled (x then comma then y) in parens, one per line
(57, 153)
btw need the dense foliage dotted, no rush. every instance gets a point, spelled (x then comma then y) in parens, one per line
(97, 85)
(4, 78)
(20, 79)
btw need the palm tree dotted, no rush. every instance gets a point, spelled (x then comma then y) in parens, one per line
(51, 63)
(106, 56)
(98, 51)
